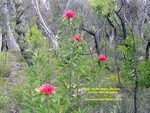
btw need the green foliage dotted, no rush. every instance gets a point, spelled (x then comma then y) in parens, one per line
(144, 74)
(4, 64)
(1, 102)
(70, 54)
(127, 48)
(71, 70)
(35, 38)
(127, 65)
(36, 42)
(38, 74)
(45, 66)
(104, 7)
(3, 85)
(31, 101)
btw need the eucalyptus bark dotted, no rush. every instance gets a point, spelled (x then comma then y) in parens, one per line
(7, 31)
(12, 45)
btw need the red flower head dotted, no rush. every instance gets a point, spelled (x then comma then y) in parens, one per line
(77, 38)
(102, 58)
(69, 14)
(46, 89)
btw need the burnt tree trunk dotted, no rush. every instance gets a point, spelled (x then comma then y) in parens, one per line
(135, 69)
(147, 51)
(97, 39)
(123, 25)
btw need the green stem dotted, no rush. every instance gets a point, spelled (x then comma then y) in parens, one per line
(70, 77)
(78, 82)
(70, 61)
(48, 104)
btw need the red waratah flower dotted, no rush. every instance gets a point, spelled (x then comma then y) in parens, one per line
(69, 14)
(77, 38)
(46, 89)
(102, 58)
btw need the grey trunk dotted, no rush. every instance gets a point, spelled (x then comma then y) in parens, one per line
(8, 33)
(11, 42)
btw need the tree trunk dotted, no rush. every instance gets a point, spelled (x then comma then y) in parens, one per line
(50, 34)
(141, 23)
(8, 34)
(123, 25)
(135, 69)
(147, 51)
(97, 38)
(97, 41)
(12, 45)
(21, 27)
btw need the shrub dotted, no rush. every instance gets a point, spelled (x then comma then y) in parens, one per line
(144, 74)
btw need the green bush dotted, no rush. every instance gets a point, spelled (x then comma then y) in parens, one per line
(126, 50)
(103, 6)
(144, 74)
